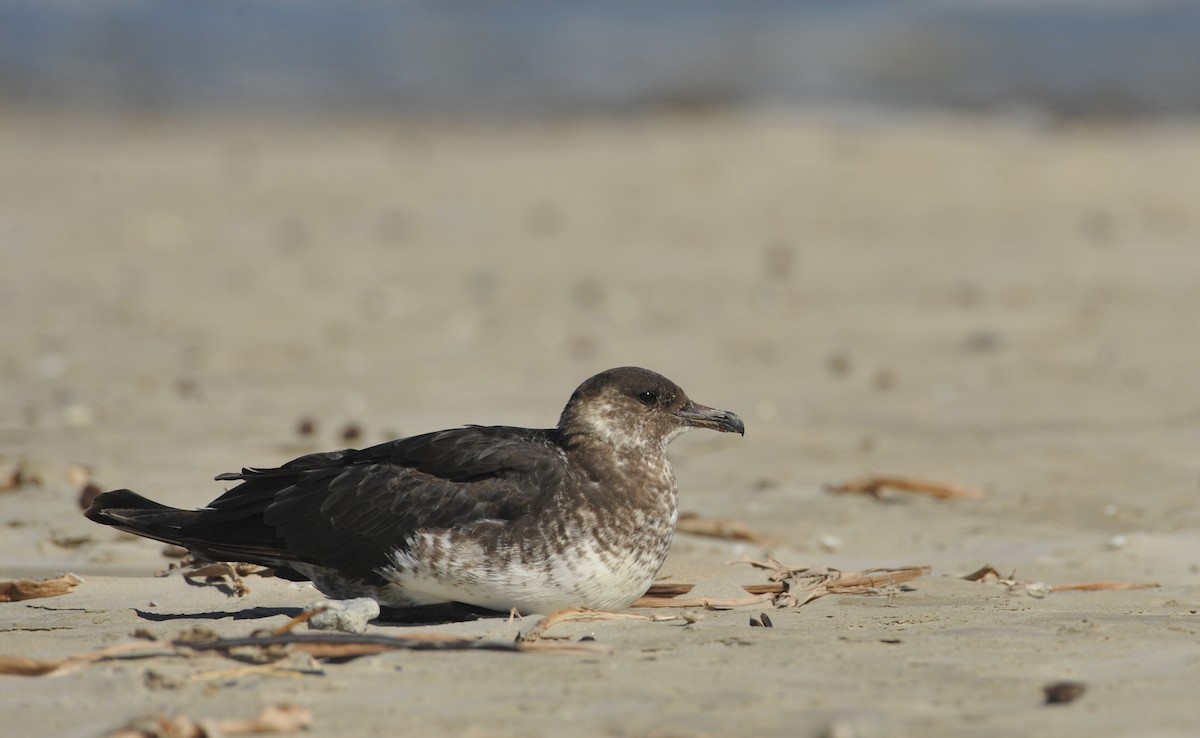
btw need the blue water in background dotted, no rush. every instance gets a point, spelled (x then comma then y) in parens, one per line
(536, 57)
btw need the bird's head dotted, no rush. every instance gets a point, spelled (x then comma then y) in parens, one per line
(631, 407)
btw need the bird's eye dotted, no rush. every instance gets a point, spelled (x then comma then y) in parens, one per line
(648, 398)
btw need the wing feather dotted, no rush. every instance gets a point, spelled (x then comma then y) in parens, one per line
(349, 510)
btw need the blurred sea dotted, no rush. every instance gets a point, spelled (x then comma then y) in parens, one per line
(538, 57)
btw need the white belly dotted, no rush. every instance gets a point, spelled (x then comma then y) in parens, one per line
(438, 568)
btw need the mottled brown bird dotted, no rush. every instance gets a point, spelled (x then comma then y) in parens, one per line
(537, 520)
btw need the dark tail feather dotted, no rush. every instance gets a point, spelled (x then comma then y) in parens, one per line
(128, 511)
(235, 539)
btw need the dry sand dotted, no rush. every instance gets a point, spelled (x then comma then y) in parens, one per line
(1011, 305)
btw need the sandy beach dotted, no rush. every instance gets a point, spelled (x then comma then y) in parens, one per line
(1007, 305)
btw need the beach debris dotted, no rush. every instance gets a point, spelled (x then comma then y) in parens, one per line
(535, 633)
(271, 646)
(723, 528)
(347, 616)
(306, 427)
(229, 577)
(669, 589)
(989, 574)
(838, 364)
(1103, 586)
(87, 493)
(351, 433)
(1062, 693)
(795, 586)
(21, 666)
(788, 587)
(20, 475)
(346, 646)
(273, 720)
(884, 379)
(705, 603)
(762, 621)
(874, 485)
(33, 589)
(80, 477)
(63, 540)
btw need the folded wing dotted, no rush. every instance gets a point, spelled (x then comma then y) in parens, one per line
(350, 510)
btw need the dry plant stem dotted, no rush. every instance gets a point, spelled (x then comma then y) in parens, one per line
(874, 484)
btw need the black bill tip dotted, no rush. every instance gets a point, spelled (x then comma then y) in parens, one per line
(702, 416)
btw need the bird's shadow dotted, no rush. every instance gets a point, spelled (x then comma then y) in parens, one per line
(250, 613)
(388, 616)
(443, 614)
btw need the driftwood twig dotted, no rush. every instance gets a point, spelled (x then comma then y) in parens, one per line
(874, 484)
(29, 589)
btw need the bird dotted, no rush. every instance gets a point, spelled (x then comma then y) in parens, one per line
(501, 518)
